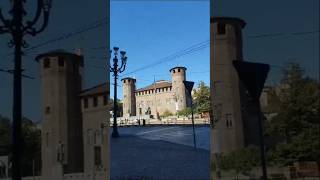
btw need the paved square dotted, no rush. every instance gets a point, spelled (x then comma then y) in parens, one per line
(162, 152)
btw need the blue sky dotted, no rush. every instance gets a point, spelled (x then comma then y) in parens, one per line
(272, 17)
(150, 30)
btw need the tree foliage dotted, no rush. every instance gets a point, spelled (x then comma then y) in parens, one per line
(242, 161)
(201, 97)
(5, 135)
(296, 125)
(184, 112)
(31, 144)
(120, 107)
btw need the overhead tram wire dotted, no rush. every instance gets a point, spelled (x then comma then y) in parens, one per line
(94, 25)
(194, 48)
(283, 34)
(189, 50)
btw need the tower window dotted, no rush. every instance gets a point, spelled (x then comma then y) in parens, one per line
(178, 70)
(95, 101)
(105, 100)
(61, 62)
(228, 120)
(47, 110)
(221, 28)
(46, 63)
(85, 102)
(97, 155)
(174, 71)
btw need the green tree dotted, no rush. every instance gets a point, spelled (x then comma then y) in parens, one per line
(120, 107)
(5, 135)
(296, 125)
(184, 112)
(31, 144)
(201, 97)
(241, 161)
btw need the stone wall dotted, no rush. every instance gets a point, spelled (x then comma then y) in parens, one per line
(161, 101)
(96, 132)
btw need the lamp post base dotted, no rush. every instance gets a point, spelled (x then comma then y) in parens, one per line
(115, 134)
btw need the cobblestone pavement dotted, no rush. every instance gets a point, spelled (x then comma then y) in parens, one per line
(160, 153)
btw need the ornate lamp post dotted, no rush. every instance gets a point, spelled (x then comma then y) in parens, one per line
(16, 27)
(116, 70)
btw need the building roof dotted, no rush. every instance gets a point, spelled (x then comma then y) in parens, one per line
(58, 52)
(158, 84)
(231, 20)
(178, 67)
(96, 90)
(128, 78)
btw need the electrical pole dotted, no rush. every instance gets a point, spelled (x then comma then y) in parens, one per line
(17, 29)
(116, 70)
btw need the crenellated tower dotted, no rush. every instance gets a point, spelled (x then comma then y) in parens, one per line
(62, 143)
(129, 97)
(227, 91)
(178, 75)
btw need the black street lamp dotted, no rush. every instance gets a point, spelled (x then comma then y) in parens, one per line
(116, 70)
(17, 28)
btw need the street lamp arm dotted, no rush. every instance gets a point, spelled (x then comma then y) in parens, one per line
(33, 31)
(37, 16)
(4, 21)
(3, 30)
(121, 67)
(112, 69)
(124, 67)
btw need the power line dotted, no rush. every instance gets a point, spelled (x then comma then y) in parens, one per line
(283, 34)
(94, 25)
(89, 27)
(189, 50)
(12, 71)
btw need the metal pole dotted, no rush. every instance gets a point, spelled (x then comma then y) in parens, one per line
(262, 149)
(17, 116)
(192, 119)
(115, 106)
(194, 133)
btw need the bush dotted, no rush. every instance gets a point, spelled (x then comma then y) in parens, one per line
(184, 112)
(166, 113)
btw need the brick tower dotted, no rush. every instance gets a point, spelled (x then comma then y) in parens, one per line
(226, 46)
(129, 97)
(62, 142)
(178, 75)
